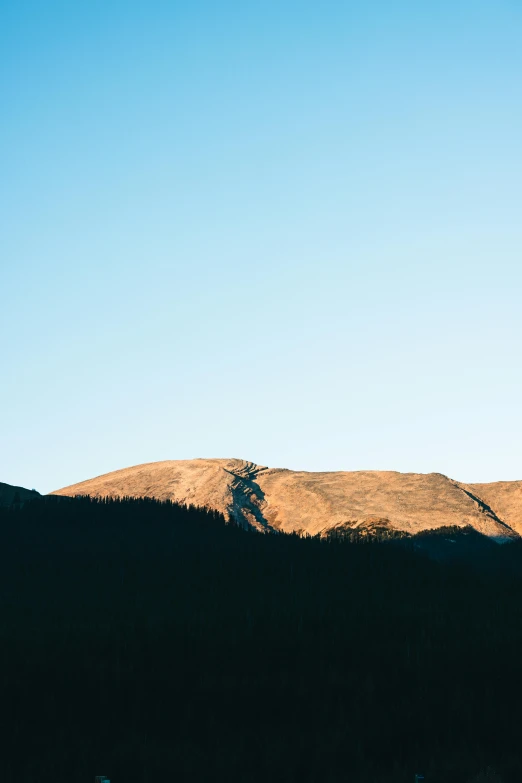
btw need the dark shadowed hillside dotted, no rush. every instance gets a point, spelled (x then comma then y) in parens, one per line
(10, 494)
(148, 641)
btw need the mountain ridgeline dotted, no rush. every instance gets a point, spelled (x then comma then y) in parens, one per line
(320, 503)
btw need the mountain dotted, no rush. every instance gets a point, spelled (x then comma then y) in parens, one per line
(10, 494)
(319, 503)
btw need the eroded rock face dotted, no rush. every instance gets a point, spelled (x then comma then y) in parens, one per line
(280, 499)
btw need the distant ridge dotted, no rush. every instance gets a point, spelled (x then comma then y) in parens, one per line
(319, 503)
(10, 494)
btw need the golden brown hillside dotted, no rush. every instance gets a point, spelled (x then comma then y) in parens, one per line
(275, 498)
(503, 496)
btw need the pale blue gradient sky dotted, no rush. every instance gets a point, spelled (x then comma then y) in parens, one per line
(284, 231)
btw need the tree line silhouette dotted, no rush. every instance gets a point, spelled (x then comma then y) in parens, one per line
(150, 641)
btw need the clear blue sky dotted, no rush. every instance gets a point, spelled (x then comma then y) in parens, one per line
(284, 231)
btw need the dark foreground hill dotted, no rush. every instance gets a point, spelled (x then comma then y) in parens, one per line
(151, 642)
(10, 494)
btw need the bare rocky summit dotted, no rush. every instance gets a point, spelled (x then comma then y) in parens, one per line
(318, 503)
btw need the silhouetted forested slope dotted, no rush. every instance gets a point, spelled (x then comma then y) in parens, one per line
(10, 494)
(149, 642)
